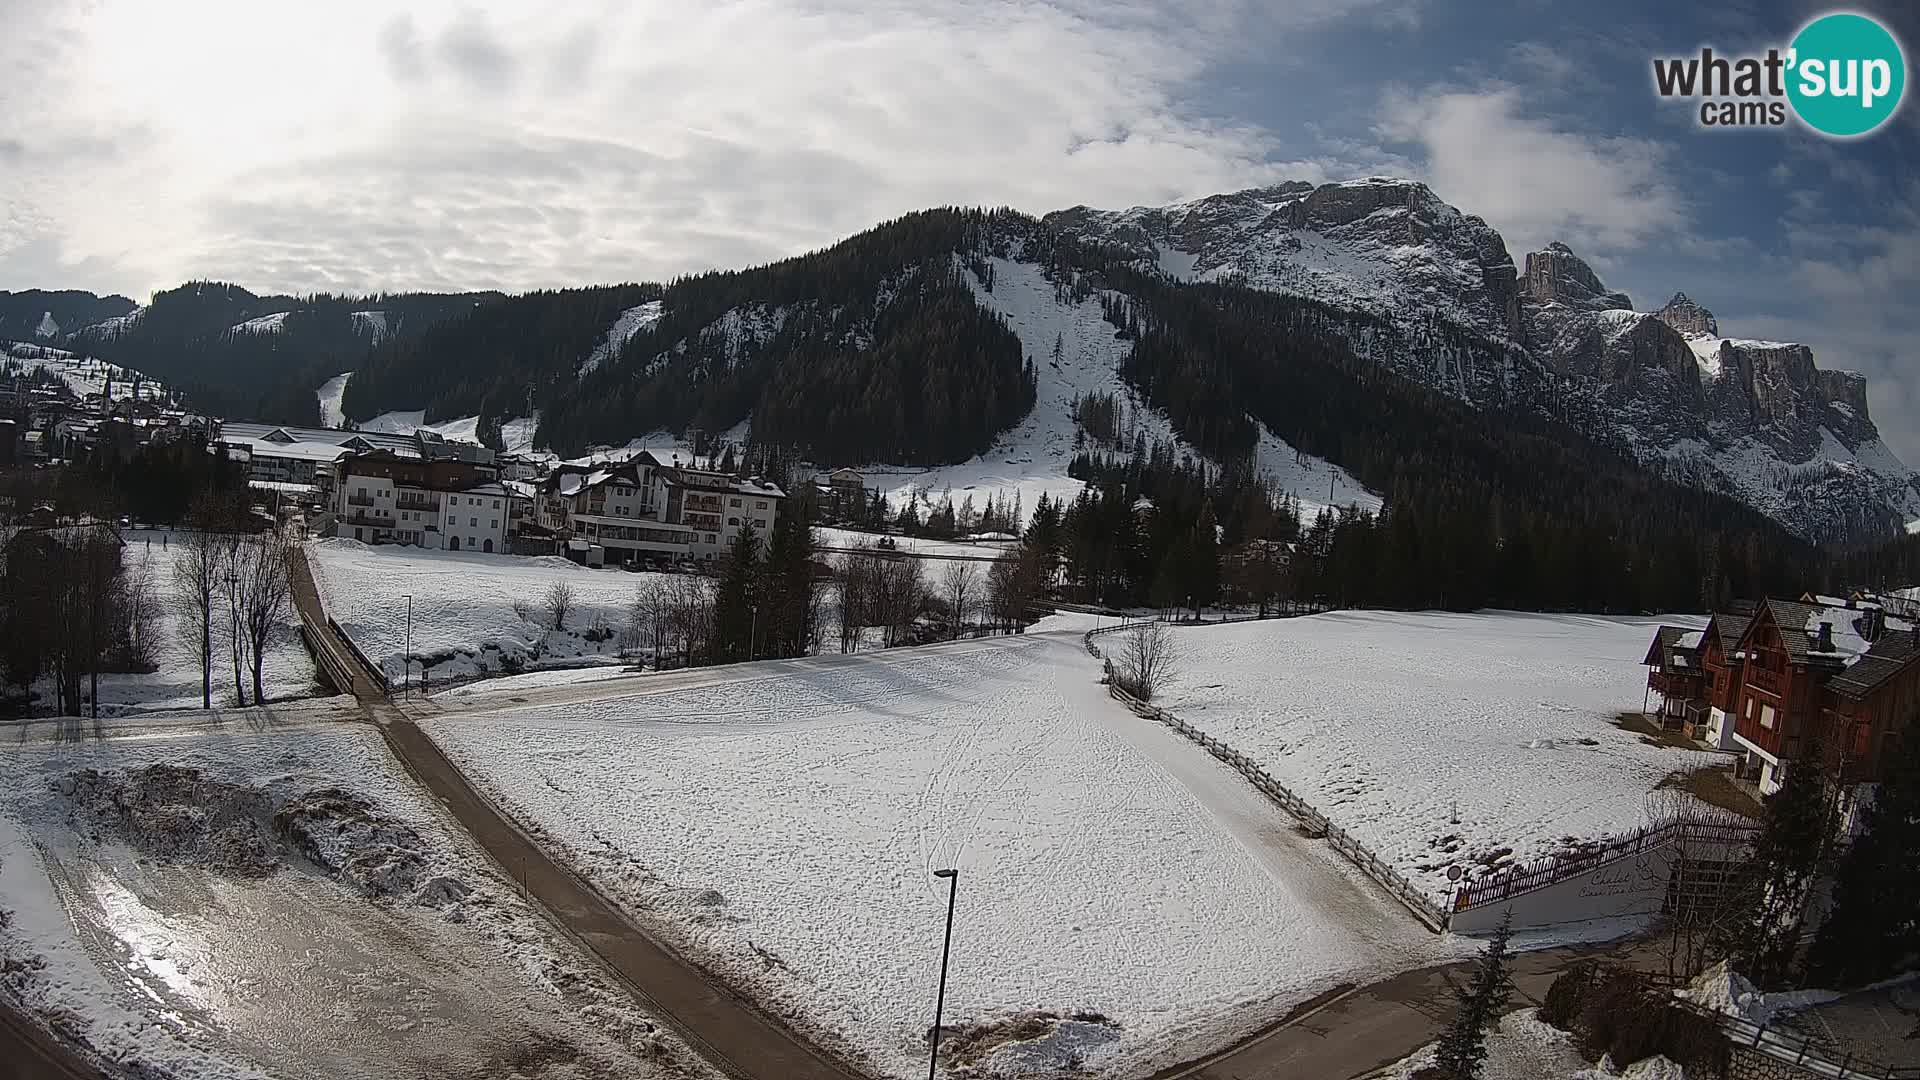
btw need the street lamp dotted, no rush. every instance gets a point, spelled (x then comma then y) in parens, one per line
(406, 669)
(939, 1002)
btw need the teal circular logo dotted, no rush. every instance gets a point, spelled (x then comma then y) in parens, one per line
(1846, 74)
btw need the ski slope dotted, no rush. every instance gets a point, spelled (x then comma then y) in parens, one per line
(1032, 458)
(781, 822)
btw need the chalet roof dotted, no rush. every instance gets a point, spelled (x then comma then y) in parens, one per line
(1790, 617)
(1892, 654)
(1674, 647)
(1730, 627)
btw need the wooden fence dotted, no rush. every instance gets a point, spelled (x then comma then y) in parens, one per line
(1423, 907)
(1540, 873)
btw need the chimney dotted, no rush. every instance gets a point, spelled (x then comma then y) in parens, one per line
(1876, 622)
(1824, 643)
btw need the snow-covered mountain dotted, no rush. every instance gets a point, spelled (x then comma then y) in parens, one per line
(1755, 419)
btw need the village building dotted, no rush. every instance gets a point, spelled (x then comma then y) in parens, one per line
(1823, 679)
(642, 511)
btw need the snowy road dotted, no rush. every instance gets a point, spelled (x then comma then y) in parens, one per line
(780, 821)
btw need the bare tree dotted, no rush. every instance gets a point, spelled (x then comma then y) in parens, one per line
(265, 592)
(196, 584)
(1012, 583)
(559, 602)
(1709, 878)
(236, 556)
(958, 586)
(1147, 658)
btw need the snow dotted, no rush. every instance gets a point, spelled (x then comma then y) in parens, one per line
(1848, 643)
(47, 327)
(516, 434)
(464, 623)
(1032, 458)
(393, 940)
(1521, 1047)
(915, 545)
(397, 423)
(175, 684)
(1690, 639)
(1725, 990)
(265, 324)
(1395, 724)
(371, 323)
(631, 322)
(330, 393)
(1706, 351)
(84, 375)
(115, 326)
(781, 821)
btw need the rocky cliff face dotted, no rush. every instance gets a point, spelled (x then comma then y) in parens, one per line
(1756, 419)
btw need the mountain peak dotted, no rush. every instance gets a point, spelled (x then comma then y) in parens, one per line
(1688, 317)
(1555, 275)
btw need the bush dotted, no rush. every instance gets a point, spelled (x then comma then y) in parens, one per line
(1620, 1014)
(1567, 994)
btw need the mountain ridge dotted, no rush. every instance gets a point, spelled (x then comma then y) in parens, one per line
(817, 346)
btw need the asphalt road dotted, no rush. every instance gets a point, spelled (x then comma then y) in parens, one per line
(727, 1030)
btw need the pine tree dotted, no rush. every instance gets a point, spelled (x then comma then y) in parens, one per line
(735, 603)
(1874, 927)
(1463, 1049)
(786, 588)
(1203, 561)
(1761, 938)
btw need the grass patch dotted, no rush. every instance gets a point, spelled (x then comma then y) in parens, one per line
(1713, 785)
(1652, 733)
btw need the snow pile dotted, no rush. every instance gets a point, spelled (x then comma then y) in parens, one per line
(781, 822)
(1725, 990)
(473, 614)
(1521, 1047)
(228, 903)
(1437, 739)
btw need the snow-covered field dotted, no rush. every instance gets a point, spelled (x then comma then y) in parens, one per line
(1032, 458)
(176, 683)
(262, 899)
(916, 545)
(782, 822)
(1437, 738)
(330, 393)
(464, 618)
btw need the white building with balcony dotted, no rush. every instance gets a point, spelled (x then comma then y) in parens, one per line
(643, 511)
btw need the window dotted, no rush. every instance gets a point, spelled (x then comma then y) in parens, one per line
(711, 539)
(760, 504)
(1749, 708)
(733, 502)
(362, 492)
(473, 523)
(451, 520)
(496, 504)
(759, 523)
(494, 524)
(1767, 717)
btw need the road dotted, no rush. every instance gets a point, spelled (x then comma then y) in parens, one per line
(28, 1052)
(730, 1032)
(1351, 1034)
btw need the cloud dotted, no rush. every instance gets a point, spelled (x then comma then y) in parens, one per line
(1533, 181)
(518, 144)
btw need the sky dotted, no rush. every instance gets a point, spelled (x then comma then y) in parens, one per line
(362, 146)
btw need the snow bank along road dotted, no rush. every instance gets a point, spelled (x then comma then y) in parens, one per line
(725, 1029)
(779, 823)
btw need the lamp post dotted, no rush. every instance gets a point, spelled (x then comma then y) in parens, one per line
(406, 670)
(940, 1001)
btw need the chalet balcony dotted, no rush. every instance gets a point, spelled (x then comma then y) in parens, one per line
(366, 519)
(1676, 684)
(1771, 682)
(415, 502)
(359, 500)
(705, 503)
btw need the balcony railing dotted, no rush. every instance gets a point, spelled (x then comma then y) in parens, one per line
(1773, 682)
(406, 502)
(359, 500)
(1675, 684)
